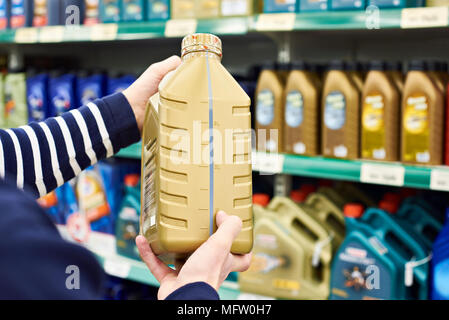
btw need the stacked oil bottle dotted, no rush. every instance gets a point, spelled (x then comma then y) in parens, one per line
(354, 110)
(338, 243)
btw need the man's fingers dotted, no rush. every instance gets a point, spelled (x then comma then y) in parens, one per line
(156, 266)
(228, 229)
(240, 263)
(160, 69)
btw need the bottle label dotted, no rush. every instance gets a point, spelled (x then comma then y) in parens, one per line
(36, 101)
(360, 274)
(294, 109)
(373, 129)
(40, 13)
(265, 107)
(416, 129)
(234, 7)
(335, 110)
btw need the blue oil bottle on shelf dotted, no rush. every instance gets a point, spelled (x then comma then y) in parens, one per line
(158, 9)
(395, 3)
(120, 83)
(274, 6)
(346, 4)
(312, 5)
(127, 224)
(110, 10)
(440, 264)
(379, 260)
(62, 93)
(133, 10)
(37, 96)
(21, 13)
(90, 87)
(4, 14)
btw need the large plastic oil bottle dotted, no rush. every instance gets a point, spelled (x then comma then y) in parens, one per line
(440, 265)
(397, 3)
(158, 9)
(340, 114)
(377, 259)
(197, 144)
(380, 115)
(422, 117)
(274, 6)
(269, 109)
(284, 246)
(301, 115)
(133, 10)
(413, 255)
(37, 96)
(330, 214)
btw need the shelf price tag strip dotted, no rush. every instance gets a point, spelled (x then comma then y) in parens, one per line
(424, 17)
(180, 27)
(267, 163)
(26, 35)
(275, 22)
(51, 34)
(382, 174)
(439, 179)
(104, 32)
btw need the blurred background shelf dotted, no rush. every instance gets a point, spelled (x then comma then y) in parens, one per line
(328, 20)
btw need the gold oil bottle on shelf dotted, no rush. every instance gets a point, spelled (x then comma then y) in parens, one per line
(380, 115)
(269, 109)
(422, 117)
(340, 114)
(301, 111)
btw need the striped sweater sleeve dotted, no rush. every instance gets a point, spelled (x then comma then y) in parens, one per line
(43, 155)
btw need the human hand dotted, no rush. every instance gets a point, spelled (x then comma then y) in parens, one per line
(146, 85)
(211, 262)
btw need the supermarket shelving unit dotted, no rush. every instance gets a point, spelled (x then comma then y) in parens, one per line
(277, 27)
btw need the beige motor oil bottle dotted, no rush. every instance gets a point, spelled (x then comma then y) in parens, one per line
(380, 115)
(394, 69)
(422, 117)
(208, 8)
(301, 112)
(183, 9)
(340, 114)
(329, 212)
(197, 144)
(285, 261)
(269, 109)
(350, 192)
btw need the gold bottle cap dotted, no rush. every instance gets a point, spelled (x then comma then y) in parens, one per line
(198, 42)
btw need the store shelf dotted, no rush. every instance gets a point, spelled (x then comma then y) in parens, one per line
(385, 173)
(328, 20)
(131, 152)
(103, 247)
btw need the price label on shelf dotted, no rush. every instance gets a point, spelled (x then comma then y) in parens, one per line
(439, 179)
(117, 268)
(104, 32)
(275, 22)
(424, 17)
(382, 174)
(51, 34)
(26, 35)
(267, 163)
(180, 27)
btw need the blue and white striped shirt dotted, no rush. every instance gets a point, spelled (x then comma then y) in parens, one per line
(43, 155)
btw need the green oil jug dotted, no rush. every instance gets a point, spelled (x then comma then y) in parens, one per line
(284, 264)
